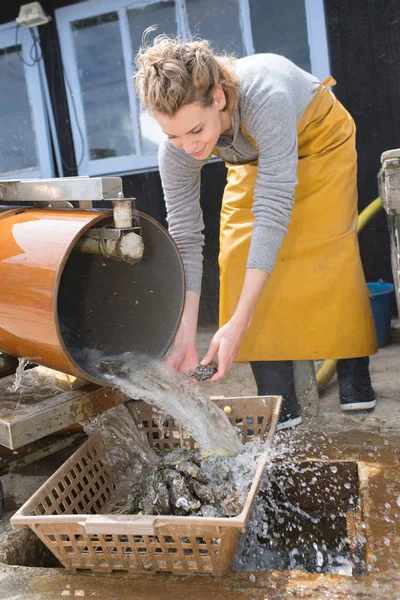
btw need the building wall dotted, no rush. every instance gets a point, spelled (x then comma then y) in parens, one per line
(364, 42)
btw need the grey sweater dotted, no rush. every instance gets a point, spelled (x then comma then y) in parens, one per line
(273, 96)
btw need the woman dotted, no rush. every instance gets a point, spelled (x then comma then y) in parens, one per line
(291, 280)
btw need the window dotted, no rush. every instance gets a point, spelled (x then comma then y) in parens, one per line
(293, 28)
(23, 121)
(218, 22)
(139, 19)
(283, 31)
(99, 39)
(103, 86)
(98, 42)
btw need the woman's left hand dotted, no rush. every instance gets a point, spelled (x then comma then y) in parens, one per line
(227, 339)
(226, 343)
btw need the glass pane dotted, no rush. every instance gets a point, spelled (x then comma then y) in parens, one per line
(217, 22)
(103, 85)
(281, 27)
(163, 15)
(17, 147)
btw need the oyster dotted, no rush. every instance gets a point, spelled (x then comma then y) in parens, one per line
(169, 475)
(231, 505)
(178, 485)
(181, 498)
(204, 372)
(190, 469)
(171, 459)
(146, 503)
(132, 501)
(161, 502)
(203, 492)
(208, 510)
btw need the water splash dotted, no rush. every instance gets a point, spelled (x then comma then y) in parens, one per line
(299, 519)
(178, 396)
(22, 363)
(125, 441)
(133, 460)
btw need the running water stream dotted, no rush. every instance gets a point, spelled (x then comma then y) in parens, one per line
(22, 363)
(177, 396)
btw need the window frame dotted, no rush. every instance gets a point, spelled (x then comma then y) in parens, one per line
(136, 163)
(37, 104)
(317, 38)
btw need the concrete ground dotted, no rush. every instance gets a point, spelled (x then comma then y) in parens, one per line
(352, 437)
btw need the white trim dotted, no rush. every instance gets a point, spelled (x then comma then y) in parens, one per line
(182, 20)
(121, 164)
(127, 51)
(73, 89)
(92, 8)
(26, 174)
(245, 27)
(50, 116)
(317, 38)
(85, 10)
(6, 27)
(36, 102)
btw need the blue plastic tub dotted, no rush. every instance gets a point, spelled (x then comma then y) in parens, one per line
(381, 308)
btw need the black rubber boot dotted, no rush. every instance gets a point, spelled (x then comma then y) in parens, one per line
(355, 389)
(275, 378)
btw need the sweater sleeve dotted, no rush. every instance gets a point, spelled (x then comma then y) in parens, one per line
(180, 177)
(272, 124)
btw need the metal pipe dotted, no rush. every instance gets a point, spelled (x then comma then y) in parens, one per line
(57, 304)
(128, 247)
(122, 212)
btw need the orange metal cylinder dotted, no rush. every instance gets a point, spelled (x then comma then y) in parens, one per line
(35, 247)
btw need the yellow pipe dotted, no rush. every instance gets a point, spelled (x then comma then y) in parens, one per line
(368, 213)
(328, 369)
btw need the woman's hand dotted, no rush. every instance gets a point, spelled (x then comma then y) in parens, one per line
(227, 340)
(183, 359)
(226, 343)
(183, 356)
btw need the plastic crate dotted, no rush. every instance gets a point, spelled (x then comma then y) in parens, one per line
(70, 513)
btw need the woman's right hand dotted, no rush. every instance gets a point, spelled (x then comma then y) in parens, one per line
(183, 359)
(183, 356)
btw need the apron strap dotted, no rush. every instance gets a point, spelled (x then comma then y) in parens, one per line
(329, 81)
(252, 142)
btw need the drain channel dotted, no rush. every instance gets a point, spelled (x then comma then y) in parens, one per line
(306, 516)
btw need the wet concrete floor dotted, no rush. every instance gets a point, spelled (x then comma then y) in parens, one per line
(378, 460)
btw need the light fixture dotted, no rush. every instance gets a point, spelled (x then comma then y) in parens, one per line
(32, 15)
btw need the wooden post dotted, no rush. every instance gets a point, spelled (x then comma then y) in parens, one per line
(306, 387)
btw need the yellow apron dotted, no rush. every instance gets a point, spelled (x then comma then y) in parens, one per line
(316, 302)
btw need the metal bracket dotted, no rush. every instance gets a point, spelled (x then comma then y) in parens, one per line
(63, 189)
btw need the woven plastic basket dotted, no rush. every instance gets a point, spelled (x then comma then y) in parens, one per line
(69, 512)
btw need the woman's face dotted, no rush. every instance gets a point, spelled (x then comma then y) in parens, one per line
(194, 128)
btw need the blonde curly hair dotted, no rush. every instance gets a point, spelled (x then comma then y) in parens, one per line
(171, 74)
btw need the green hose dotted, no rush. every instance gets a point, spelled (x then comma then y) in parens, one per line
(328, 369)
